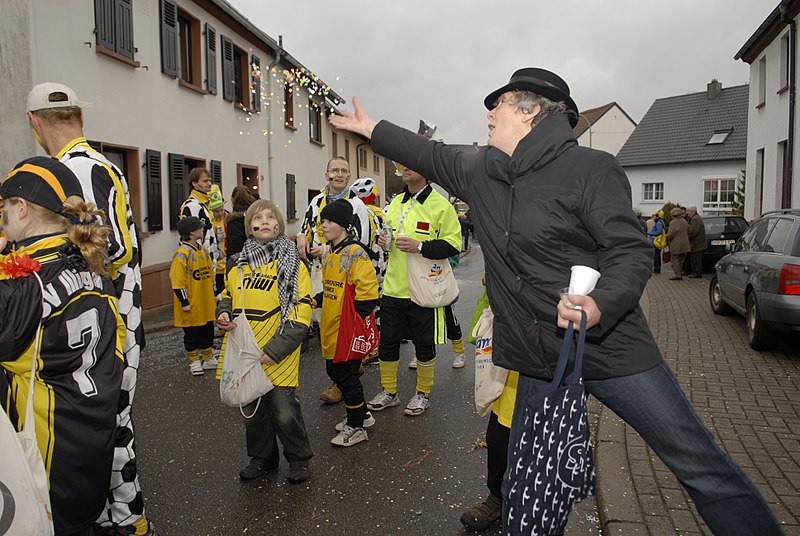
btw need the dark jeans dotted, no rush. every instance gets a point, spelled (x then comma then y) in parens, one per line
(696, 262)
(496, 455)
(656, 259)
(401, 318)
(345, 375)
(653, 403)
(198, 337)
(278, 416)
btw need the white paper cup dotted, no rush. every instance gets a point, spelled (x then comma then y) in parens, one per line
(583, 279)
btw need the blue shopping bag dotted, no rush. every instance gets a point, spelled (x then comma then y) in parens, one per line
(552, 465)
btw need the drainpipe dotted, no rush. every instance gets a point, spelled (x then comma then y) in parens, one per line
(269, 115)
(788, 171)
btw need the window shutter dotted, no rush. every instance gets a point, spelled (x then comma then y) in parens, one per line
(155, 217)
(123, 25)
(211, 59)
(104, 23)
(169, 38)
(227, 68)
(216, 172)
(177, 187)
(255, 67)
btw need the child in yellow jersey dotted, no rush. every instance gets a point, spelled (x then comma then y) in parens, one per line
(192, 278)
(276, 288)
(347, 273)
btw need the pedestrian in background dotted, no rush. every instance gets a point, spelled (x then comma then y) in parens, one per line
(657, 230)
(274, 283)
(347, 275)
(241, 198)
(192, 278)
(678, 243)
(216, 204)
(697, 241)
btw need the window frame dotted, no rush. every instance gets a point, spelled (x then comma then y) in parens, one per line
(114, 37)
(314, 122)
(288, 106)
(762, 81)
(376, 163)
(190, 58)
(719, 136)
(719, 206)
(655, 188)
(291, 198)
(362, 157)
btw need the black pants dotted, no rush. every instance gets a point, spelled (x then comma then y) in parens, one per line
(198, 337)
(345, 375)
(278, 417)
(453, 327)
(696, 262)
(219, 283)
(656, 259)
(401, 318)
(496, 454)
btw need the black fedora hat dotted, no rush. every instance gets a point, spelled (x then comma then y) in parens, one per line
(541, 82)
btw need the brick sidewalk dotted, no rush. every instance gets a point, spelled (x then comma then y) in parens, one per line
(749, 399)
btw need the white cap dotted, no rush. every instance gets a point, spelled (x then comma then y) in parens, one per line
(53, 95)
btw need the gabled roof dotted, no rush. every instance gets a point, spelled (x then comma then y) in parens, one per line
(675, 130)
(589, 117)
(772, 26)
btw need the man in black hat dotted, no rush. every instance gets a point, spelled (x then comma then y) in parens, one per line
(543, 204)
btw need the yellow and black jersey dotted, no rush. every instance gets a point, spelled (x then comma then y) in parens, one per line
(197, 205)
(192, 277)
(263, 310)
(78, 373)
(346, 265)
(312, 223)
(430, 218)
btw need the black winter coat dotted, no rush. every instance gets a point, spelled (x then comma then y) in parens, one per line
(549, 206)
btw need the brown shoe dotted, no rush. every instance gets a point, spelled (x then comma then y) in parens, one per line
(482, 515)
(331, 395)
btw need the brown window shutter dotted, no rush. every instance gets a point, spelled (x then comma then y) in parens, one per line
(169, 38)
(177, 187)
(211, 59)
(155, 216)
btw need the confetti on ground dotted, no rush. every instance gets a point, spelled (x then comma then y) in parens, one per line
(417, 461)
(479, 443)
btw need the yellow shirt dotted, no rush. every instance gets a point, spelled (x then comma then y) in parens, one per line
(193, 272)
(263, 309)
(504, 406)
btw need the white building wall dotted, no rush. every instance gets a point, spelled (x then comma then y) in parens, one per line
(683, 183)
(141, 107)
(767, 126)
(609, 133)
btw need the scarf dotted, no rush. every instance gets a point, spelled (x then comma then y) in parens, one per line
(255, 255)
(336, 197)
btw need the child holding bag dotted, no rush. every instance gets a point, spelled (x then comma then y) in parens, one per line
(276, 289)
(350, 290)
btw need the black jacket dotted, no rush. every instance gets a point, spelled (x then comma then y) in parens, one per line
(551, 205)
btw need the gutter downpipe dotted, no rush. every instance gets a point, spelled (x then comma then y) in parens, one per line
(269, 115)
(788, 168)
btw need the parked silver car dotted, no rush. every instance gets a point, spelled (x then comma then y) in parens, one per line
(760, 278)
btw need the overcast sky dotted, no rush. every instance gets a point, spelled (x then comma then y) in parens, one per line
(438, 59)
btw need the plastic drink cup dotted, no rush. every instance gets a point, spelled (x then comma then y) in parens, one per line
(583, 280)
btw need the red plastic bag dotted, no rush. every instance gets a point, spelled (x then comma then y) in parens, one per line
(358, 336)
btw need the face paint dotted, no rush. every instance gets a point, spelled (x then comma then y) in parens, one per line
(38, 139)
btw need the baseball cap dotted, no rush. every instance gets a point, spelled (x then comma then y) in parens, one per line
(53, 95)
(189, 224)
(42, 181)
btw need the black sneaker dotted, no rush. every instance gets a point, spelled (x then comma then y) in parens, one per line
(482, 515)
(298, 472)
(255, 469)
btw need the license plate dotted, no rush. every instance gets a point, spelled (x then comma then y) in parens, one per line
(722, 242)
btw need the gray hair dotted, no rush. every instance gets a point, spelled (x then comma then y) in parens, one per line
(525, 101)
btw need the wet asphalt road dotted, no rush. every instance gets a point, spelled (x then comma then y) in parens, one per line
(415, 476)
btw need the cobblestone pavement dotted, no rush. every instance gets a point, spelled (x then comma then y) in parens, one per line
(750, 400)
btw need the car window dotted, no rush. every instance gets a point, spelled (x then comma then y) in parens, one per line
(735, 225)
(753, 238)
(776, 241)
(714, 225)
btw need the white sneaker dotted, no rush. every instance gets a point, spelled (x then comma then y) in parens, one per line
(459, 360)
(369, 420)
(196, 368)
(211, 364)
(350, 436)
(413, 363)
(382, 401)
(417, 405)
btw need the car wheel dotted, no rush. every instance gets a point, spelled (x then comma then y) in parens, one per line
(757, 332)
(718, 307)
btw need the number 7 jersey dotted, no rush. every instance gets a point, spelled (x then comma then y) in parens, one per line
(78, 376)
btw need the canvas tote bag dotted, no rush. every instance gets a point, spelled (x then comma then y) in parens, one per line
(489, 378)
(551, 467)
(24, 490)
(243, 379)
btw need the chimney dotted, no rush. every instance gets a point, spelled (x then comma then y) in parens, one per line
(713, 89)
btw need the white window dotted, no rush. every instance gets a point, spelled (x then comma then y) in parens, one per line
(784, 61)
(653, 191)
(762, 81)
(718, 195)
(719, 137)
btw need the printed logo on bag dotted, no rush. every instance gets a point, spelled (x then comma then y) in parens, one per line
(436, 270)
(483, 345)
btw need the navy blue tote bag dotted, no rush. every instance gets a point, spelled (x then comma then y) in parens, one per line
(552, 465)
